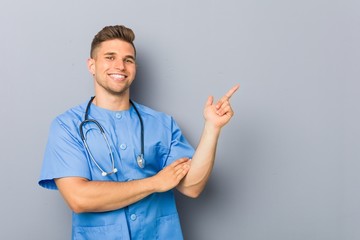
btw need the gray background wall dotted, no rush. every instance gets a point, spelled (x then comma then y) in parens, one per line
(288, 162)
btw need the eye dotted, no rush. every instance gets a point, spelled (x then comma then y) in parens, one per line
(129, 60)
(110, 58)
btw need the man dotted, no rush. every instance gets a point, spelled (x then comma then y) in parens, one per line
(115, 162)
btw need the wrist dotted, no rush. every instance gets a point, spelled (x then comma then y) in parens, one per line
(153, 184)
(211, 128)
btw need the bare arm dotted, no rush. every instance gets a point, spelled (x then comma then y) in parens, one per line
(216, 116)
(83, 195)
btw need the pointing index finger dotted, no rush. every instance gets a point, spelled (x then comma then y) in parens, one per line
(228, 95)
(232, 91)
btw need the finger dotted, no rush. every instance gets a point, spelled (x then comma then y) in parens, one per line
(228, 95)
(223, 108)
(209, 101)
(232, 91)
(220, 107)
(181, 166)
(225, 111)
(222, 103)
(178, 163)
(181, 173)
(183, 170)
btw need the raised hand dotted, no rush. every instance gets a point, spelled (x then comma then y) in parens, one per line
(220, 113)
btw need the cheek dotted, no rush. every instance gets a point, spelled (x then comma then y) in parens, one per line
(133, 70)
(101, 67)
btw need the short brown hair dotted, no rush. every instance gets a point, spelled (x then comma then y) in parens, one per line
(113, 32)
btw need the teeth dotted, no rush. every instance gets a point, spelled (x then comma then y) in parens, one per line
(117, 76)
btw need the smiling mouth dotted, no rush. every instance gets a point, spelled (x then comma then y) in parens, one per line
(117, 76)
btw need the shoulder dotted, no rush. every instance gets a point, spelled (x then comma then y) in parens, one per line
(149, 111)
(149, 114)
(71, 118)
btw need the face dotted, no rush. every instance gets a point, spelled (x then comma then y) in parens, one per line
(113, 67)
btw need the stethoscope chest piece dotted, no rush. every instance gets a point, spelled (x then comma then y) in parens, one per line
(140, 161)
(140, 158)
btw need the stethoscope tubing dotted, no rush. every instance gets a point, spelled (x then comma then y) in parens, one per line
(140, 158)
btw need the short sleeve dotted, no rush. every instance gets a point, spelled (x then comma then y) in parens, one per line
(179, 147)
(64, 155)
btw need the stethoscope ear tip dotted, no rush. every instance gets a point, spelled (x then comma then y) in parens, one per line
(115, 170)
(103, 174)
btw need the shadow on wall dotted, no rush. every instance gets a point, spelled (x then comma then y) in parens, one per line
(145, 90)
(142, 91)
(144, 85)
(193, 211)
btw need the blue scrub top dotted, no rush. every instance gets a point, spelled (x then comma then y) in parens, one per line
(154, 217)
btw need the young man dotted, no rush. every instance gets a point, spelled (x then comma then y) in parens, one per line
(115, 162)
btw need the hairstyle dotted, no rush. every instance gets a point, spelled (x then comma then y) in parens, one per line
(113, 32)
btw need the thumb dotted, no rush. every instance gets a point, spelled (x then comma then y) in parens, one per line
(209, 101)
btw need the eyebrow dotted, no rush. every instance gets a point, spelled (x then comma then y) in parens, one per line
(113, 53)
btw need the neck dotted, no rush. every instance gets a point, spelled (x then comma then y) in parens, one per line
(114, 103)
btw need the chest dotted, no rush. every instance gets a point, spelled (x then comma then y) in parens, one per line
(117, 143)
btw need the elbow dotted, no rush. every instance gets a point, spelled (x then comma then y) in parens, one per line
(73, 190)
(191, 193)
(77, 209)
(77, 206)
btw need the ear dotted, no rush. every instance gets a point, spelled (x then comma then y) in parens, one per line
(91, 65)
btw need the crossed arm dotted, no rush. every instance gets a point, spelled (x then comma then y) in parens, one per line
(188, 176)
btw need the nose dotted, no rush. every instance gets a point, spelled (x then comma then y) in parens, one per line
(120, 65)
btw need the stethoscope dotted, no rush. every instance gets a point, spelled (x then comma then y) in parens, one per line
(140, 158)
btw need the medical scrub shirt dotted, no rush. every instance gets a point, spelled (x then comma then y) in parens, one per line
(154, 217)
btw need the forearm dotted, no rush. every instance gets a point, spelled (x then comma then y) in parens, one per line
(202, 162)
(99, 196)
(216, 116)
(83, 195)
